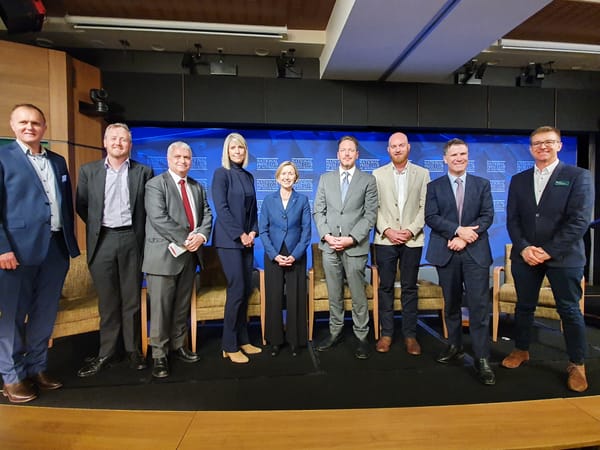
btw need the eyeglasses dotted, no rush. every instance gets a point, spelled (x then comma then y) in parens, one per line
(547, 143)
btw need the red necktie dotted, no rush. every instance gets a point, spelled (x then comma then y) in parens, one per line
(186, 204)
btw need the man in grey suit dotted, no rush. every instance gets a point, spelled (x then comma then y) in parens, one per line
(110, 200)
(399, 239)
(345, 210)
(179, 222)
(459, 209)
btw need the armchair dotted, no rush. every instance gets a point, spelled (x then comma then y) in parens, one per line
(504, 295)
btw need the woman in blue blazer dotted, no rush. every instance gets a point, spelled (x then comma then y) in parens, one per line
(285, 230)
(235, 228)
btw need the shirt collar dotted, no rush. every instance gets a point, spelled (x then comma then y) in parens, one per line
(350, 171)
(27, 150)
(548, 169)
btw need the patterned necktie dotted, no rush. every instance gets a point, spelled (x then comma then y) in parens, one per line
(460, 197)
(345, 185)
(186, 204)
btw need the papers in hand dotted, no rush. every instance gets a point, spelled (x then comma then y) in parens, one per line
(176, 250)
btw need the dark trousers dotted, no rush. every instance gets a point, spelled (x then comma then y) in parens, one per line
(388, 257)
(463, 274)
(566, 288)
(117, 275)
(292, 281)
(238, 265)
(32, 292)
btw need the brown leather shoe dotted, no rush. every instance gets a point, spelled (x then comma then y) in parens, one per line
(45, 381)
(383, 344)
(577, 381)
(412, 346)
(21, 392)
(515, 359)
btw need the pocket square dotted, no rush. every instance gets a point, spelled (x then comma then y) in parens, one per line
(63, 179)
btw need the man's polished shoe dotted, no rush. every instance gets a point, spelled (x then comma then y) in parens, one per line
(363, 351)
(20, 392)
(274, 350)
(137, 361)
(329, 342)
(94, 366)
(450, 353)
(577, 380)
(515, 359)
(412, 346)
(161, 368)
(485, 372)
(185, 355)
(383, 344)
(45, 382)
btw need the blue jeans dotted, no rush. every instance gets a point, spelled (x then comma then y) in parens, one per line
(566, 288)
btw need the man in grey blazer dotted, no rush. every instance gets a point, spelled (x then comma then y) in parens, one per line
(399, 239)
(110, 200)
(345, 210)
(179, 222)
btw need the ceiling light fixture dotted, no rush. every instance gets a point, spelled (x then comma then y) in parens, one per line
(170, 26)
(546, 46)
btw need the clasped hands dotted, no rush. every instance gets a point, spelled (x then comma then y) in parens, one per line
(194, 241)
(533, 255)
(8, 261)
(248, 239)
(339, 243)
(285, 261)
(398, 237)
(464, 236)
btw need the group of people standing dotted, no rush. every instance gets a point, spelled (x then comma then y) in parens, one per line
(140, 223)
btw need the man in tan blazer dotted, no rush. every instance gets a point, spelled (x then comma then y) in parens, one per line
(399, 238)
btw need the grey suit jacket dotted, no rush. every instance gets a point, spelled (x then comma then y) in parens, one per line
(90, 200)
(166, 222)
(413, 212)
(355, 217)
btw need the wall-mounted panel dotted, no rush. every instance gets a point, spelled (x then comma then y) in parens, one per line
(520, 108)
(393, 104)
(223, 99)
(354, 103)
(578, 110)
(303, 102)
(451, 106)
(145, 96)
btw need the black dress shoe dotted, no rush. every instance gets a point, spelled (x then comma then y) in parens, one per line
(363, 351)
(295, 350)
(185, 355)
(274, 350)
(137, 361)
(94, 366)
(161, 368)
(484, 372)
(329, 342)
(450, 353)
(45, 382)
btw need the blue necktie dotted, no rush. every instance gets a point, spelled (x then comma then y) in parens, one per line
(345, 185)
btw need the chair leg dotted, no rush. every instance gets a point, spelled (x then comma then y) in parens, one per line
(193, 320)
(144, 316)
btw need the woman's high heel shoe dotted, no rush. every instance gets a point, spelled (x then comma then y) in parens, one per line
(250, 349)
(237, 357)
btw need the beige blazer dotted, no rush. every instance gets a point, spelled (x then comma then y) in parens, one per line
(388, 213)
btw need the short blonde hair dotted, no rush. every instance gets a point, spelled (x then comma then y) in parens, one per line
(118, 125)
(225, 161)
(284, 164)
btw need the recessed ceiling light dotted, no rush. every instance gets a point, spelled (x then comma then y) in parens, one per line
(261, 52)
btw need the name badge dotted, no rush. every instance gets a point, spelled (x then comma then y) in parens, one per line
(562, 183)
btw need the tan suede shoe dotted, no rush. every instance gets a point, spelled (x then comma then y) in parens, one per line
(515, 359)
(577, 381)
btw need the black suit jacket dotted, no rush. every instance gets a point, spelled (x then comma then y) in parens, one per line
(559, 221)
(442, 217)
(90, 200)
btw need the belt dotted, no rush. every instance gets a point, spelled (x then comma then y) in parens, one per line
(117, 229)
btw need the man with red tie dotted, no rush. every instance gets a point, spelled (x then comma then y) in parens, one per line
(178, 223)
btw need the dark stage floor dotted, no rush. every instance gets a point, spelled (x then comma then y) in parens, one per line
(313, 380)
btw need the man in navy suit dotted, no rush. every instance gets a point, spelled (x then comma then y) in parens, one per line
(549, 210)
(36, 239)
(459, 209)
